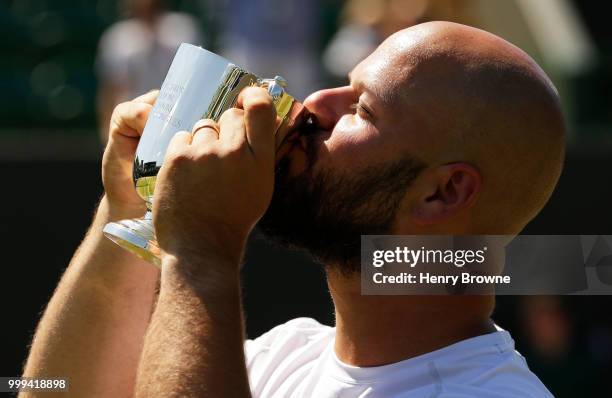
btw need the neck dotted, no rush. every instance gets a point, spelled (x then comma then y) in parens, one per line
(379, 330)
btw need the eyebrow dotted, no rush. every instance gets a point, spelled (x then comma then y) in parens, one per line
(384, 97)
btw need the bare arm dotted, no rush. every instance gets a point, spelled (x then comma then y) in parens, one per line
(194, 346)
(211, 191)
(93, 328)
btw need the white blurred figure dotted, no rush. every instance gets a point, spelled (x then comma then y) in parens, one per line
(365, 24)
(274, 37)
(135, 54)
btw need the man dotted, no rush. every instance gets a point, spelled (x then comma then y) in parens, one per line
(134, 54)
(444, 129)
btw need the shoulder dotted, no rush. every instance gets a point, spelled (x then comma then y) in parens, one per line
(177, 18)
(491, 367)
(286, 352)
(122, 31)
(123, 38)
(177, 27)
(296, 335)
(295, 330)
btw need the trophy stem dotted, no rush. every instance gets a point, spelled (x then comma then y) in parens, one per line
(137, 236)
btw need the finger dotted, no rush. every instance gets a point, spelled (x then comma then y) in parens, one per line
(259, 119)
(205, 132)
(129, 118)
(179, 141)
(233, 131)
(148, 98)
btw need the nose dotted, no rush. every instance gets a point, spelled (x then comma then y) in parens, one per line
(329, 105)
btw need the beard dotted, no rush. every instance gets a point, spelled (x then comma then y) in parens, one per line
(326, 212)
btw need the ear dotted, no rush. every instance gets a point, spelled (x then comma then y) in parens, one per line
(454, 187)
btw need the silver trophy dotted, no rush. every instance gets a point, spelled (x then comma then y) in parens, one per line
(199, 85)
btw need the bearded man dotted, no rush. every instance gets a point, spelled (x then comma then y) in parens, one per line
(444, 129)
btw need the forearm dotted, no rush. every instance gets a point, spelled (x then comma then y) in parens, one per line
(93, 328)
(194, 346)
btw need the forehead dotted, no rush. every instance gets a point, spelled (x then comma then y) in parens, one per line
(385, 73)
(389, 77)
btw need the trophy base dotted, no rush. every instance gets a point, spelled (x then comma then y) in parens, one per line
(137, 236)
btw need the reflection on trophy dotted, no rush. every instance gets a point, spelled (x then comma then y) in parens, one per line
(199, 85)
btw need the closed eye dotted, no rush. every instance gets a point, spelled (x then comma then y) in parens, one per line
(361, 110)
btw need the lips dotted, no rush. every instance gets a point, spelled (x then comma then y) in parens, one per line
(294, 139)
(299, 129)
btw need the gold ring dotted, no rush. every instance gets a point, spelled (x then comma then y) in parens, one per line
(206, 124)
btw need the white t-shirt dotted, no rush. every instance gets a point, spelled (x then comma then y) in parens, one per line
(297, 359)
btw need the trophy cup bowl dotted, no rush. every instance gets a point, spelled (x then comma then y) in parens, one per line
(199, 85)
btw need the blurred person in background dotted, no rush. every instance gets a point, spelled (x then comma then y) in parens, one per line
(550, 341)
(552, 32)
(274, 37)
(134, 54)
(365, 24)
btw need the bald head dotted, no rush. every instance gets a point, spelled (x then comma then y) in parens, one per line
(470, 96)
(444, 129)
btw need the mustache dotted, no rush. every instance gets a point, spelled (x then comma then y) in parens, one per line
(306, 126)
(306, 133)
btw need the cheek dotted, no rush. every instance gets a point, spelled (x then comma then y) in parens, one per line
(352, 142)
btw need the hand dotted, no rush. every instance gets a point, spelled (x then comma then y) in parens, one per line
(217, 181)
(126, 127)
